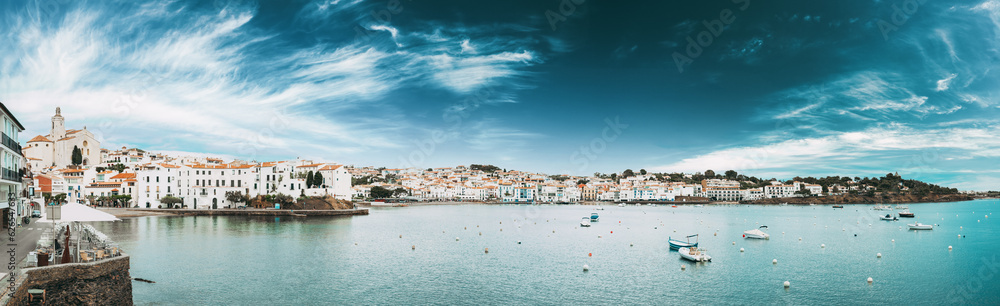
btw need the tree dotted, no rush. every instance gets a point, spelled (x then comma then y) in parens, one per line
(170, 201)
(77, 157)
(379, 192)
(642, 171)
(318, 180)
(614, 177)
(309, 180)
(400, 191)
(283, 199)
(709, 173)
(731, 174)
(628, 173)
(484, 168)
(236, 197)
(59, 198)
(582, 182)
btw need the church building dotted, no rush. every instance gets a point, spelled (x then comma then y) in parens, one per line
(56, 148)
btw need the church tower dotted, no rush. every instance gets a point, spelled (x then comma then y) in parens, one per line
(58, 126)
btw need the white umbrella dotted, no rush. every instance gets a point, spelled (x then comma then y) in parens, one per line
(74, 212)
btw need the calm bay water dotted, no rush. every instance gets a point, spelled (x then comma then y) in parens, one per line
(241, 260)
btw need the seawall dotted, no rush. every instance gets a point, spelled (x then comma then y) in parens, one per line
(256, 212)
(105, 282)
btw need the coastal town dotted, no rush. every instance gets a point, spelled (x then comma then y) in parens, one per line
(71, 166)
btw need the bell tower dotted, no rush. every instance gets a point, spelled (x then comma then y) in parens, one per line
(58, 126)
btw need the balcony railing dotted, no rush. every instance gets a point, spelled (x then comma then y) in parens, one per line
(11, 175)
(10, 143)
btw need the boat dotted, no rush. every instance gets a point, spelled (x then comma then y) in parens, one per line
(699, 205)
(920, 226)
(838, 206)
(600, 208)
(621, 204)
(677, 244)
(756, 233)
(594, 217)
(888, 217)
(585, 222)
(882, 207)
(905, 214)
(694, 254)
(784, 204)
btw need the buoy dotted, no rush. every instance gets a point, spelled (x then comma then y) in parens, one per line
(949, 248)
(800, 238)
(774, 262)
(487, 250)
(612, 232)
(590, 254)
(598, 236)
(553, 231)
(355, 243)
(683, 267)
(630, 244)
(716, 234)
(400, 236)
(787, 284)
(894, 240)
(465, 228)
(734, 242)
(480, 233)
(782, 233)
(959, 236)
(879, 255)
(586, 268)
(870, 280)
(741, 250)
(518, 242)
(413, 247)
(822, 245)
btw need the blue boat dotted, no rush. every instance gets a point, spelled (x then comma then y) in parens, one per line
(677, 244)
(593, 217)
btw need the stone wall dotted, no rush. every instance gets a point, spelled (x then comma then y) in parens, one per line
(106, 282)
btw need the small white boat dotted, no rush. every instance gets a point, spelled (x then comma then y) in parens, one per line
(585, 222)
(882, 207)
(621, 204)
(889, 217)
(920, 226)
(694, 254)
(600, 208)
(756, 233)
(699, 205)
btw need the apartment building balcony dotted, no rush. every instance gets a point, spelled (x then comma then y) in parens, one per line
(11, 175)
(11, 144)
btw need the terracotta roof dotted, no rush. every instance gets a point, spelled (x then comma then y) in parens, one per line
(169, 166)
(330, 167)
(72, 131)
(123, 175)
(32, 158)
(310, 166)
(39, 138)
(71, 170)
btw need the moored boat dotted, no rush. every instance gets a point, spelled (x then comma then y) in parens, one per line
(585, 222)
(756, 233)
(888, 217)
(906, 214)
(920, 226)
(677, 244)
(882, 207)
(594, 217)
(838, 206)
(694, 254)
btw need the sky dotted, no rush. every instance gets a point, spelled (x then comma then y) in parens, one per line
(770, 89)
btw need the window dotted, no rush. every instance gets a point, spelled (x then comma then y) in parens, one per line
(157, 179)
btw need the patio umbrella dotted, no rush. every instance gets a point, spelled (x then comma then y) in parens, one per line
(74, 212)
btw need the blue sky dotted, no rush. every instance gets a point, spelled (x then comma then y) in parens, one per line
(775, 89)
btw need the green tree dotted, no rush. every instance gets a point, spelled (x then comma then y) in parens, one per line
(582, 182)
(379, 192)
(318, 180)
(236, 197)
(77, 157)
(400, 191)
(731, 174)
(309, 180)
(170, 201)
(283, 199)
(709, 173)
(628, 173)
(642, 171)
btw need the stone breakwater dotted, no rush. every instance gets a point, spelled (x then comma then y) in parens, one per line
(256, 212)
(105, 282)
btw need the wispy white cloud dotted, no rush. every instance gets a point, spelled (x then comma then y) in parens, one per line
(943, 84)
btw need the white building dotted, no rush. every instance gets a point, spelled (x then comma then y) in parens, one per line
(56, 148)
(12, 170)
